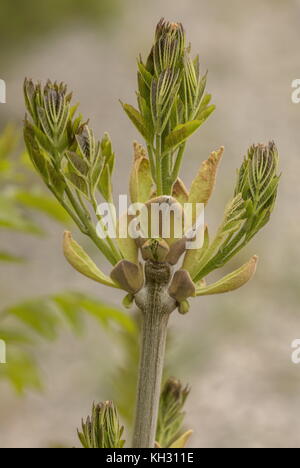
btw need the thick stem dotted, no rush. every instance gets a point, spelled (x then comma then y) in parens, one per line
(156, 306)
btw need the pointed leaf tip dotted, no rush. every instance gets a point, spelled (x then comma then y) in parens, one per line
(182, 440)
(141, 182)
(233, 281)
(81, 262)
(203, 184)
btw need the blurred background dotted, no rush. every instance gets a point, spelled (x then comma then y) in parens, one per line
(234, 350)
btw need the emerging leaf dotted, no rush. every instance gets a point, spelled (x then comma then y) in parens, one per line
(170, 415)
(182, 440)
(103, 429)
(141, 180)
(137, 120)
(127, 244)
(192, 257)
(80, 260)
(180, 192)
(180, 134)
(203, 185)
(233, 281)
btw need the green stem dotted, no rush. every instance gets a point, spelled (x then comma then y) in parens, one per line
(68, 210)
(110, 242)
(89, 228)
(166, 173)
(158, 166)
(222, 257)
(152, 162)
(178, 163)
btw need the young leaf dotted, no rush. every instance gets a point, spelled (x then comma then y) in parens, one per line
(105, 185)
(233, 281)
(137, 120)
(180, 134)
(192, 257)
(182, 440)
(203, 184)
(102, 429)
(141, 182)
(127, 245)
(180, 192)
(171, 415)
(79, 260)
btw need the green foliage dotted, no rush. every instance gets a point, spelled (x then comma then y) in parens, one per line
(73, 164)
(44, 318)
(77, 168)
(171, 102)
(102, 429)
(248, 212)
(18, 201)
(22, 324)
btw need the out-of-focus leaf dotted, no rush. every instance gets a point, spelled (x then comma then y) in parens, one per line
(11, 218)
(21, 371)
(43, 203)
(107, 314)
(8, 141)
(12, 336)
(39, 315)
(9, 258)
(69, 306)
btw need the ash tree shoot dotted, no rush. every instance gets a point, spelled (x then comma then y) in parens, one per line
(159, 275)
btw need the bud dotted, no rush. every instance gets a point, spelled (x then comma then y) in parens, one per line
(102, 429)
(49, 108)
(155, 250)
(248, 212)
(171, 102)
(168, 49)
(257, 182)
(128, 301)
(184, 307)
(170, 419)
